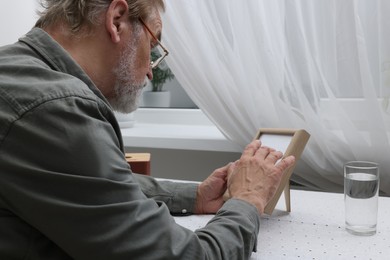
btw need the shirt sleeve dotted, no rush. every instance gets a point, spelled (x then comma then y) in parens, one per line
(180, 198)
(63, 173)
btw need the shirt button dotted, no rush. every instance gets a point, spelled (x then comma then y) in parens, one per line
(184, 211)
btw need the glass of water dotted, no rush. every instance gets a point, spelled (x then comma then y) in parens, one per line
(361, 187)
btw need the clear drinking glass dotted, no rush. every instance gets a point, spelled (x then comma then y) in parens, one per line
(361, 188)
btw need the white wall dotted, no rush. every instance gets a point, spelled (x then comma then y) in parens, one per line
(17, 17)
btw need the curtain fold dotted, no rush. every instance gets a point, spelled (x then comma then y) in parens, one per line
(323, 66)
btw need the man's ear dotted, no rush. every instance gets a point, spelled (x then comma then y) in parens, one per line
(117, 19)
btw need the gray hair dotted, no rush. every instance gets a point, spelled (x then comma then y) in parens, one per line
(78, 14)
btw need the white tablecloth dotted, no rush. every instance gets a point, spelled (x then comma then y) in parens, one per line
(313, 230)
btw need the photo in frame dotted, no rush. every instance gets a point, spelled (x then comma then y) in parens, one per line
(290, 142)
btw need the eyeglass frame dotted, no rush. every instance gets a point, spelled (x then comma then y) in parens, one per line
(154, 64)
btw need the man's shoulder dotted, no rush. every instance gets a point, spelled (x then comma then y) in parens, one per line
(37, 68)
(26, 82)
(30, 80)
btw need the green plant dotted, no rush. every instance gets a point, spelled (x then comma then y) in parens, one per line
(161, 74)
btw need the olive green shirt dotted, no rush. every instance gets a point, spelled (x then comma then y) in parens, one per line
(66, 190)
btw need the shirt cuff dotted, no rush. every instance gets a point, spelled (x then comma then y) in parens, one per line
(184, 198)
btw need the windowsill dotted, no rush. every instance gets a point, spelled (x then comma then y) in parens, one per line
(190, 129)
(187, 129)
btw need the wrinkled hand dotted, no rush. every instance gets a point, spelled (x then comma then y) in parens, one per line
(256, 176)
(210, 191)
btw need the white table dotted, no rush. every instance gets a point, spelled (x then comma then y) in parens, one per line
(313, 230)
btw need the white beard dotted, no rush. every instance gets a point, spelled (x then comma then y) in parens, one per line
(127, 90)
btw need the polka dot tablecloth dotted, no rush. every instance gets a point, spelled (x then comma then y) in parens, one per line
(314, 229)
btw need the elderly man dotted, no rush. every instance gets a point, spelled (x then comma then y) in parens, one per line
(66, 191)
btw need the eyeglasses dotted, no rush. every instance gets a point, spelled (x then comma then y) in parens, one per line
(155, 63)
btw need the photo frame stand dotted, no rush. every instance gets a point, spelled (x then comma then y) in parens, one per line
(290, 142)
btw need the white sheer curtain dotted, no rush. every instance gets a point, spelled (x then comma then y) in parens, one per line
(319, 65)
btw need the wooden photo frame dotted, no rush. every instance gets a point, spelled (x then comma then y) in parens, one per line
(290, 142)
